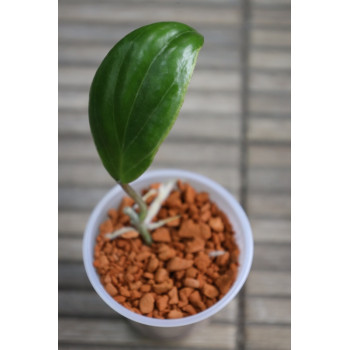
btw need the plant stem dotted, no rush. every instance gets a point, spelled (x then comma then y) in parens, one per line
(142, 214)
(145, 234)
(137, 198)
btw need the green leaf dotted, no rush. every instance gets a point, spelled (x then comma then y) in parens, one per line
(137, 93)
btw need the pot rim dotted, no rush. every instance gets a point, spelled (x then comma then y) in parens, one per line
(244, 268)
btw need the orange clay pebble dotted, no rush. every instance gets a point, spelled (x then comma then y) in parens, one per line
(195, 246)
(202, 261)
(132, 269)
(196, 300)
(174, 299)
(124, 291)
(148, 275)
(135, 285)
(161, 275)
(130, 277)
(165, 253)
(111, 289)
(190, 309)
(174, 222)
(205, 216)
(146, 303)
(113, 214)
(162, 214)
(191, 282)
(103, 261)
(190, 194)
(143, 256)
(119, 299)
(193, 210)
(216, 224)
(153, 264)
(191, 272)
(106, 227)
(202, 197)
(223, 259)
(162, 302)
(210, 291)
(184, 293)
(162, 234)
(107, 279)
(225, 281)
(179, 274)
(181, 186)
(163, 287)
(189, 229)
(175, 314)
(201, 279)
(174, 201)
(205, 207)
(205, 231)
(126, 202)
(177, 264)
(145, 288)
(135, 294)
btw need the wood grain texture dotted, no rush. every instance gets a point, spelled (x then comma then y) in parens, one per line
(272, 179)
(268, 337)
(269, 205)
(72, 222)
(271, 230)
(140, 14)
(266, 156)
(117, 332)
(267, 129)
(269, 283)
(272, 257)
(268, 59)
(268, 310)
(271, 17)
(270, 81)
(72, 276)
(270, 38)
(270, 104)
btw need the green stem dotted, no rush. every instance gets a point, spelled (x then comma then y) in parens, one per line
(137, 198)
(142, 214)
(145, 234)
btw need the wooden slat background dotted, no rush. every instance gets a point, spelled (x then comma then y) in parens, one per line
(234, 127)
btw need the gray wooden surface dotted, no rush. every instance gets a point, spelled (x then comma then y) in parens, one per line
(234, 127)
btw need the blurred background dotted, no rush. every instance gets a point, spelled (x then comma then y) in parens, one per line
(234, 127)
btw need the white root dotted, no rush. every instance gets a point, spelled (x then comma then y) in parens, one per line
(163, 192)
(119, 232)
(160, 223)
(216, 253)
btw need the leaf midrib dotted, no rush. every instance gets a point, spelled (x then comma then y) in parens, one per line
(143, 79)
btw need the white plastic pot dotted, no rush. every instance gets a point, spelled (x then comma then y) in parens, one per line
(171, 328)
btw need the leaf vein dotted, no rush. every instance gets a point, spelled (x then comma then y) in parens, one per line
(144, 78)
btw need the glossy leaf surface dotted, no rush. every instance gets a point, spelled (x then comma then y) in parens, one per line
(137, 93)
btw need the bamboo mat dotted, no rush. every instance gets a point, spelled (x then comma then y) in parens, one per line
(234, 127)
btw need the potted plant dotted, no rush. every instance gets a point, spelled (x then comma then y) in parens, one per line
(172, 248)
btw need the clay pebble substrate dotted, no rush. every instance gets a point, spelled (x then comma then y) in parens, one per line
(176, 276)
